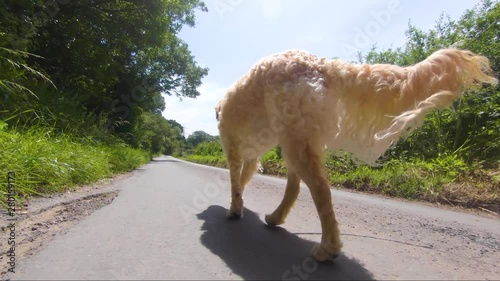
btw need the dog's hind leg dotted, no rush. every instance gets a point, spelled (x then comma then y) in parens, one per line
(239, 179)
(291, 193)
(305, 159)
(234, 162)
(249, 169)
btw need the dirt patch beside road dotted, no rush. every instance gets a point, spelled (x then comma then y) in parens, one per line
(42, 218)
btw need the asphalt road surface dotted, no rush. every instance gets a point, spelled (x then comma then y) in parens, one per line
(168, 223)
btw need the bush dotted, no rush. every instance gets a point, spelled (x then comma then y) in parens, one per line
(45, 162)
(408, 179)
(272, 163)
(212, 148)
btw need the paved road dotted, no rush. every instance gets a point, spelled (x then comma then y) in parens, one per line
(168, 223)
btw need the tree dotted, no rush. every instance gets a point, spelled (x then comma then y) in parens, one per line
(198, 137)
(15, 35)
(469, 129)
(110, 59)
(156, 134)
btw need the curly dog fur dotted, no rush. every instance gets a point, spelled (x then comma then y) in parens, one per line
(308, 104)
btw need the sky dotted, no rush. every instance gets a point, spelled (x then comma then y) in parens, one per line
(234, 34)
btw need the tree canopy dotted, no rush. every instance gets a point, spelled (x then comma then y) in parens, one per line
(198, 137)
(110, 62)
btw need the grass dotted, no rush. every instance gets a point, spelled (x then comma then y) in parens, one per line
(45, 162)
(217, 161)
(447, 179)
(123, 158)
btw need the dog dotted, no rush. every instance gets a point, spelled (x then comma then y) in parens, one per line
(307, 105)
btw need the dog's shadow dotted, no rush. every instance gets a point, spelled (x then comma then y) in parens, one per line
(254, 250)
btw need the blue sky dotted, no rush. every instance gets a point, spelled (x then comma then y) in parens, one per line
(234, 34)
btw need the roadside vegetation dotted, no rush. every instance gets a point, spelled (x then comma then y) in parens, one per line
(56, 161)
(81, 88)
(455, 157)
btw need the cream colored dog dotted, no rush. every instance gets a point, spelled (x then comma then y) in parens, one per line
(308, 104)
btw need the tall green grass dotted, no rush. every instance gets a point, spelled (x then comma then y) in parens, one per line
(208, 153)
(123, 158)
(407, 179)
(447, 179)
(46, 162)
(216, 161)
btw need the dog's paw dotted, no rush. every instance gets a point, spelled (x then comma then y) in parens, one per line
(273, 220)
(234, 215)
(322, 252)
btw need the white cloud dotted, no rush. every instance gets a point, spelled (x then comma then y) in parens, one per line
(196, 114)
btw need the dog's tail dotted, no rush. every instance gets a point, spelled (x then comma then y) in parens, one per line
(442, 77)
